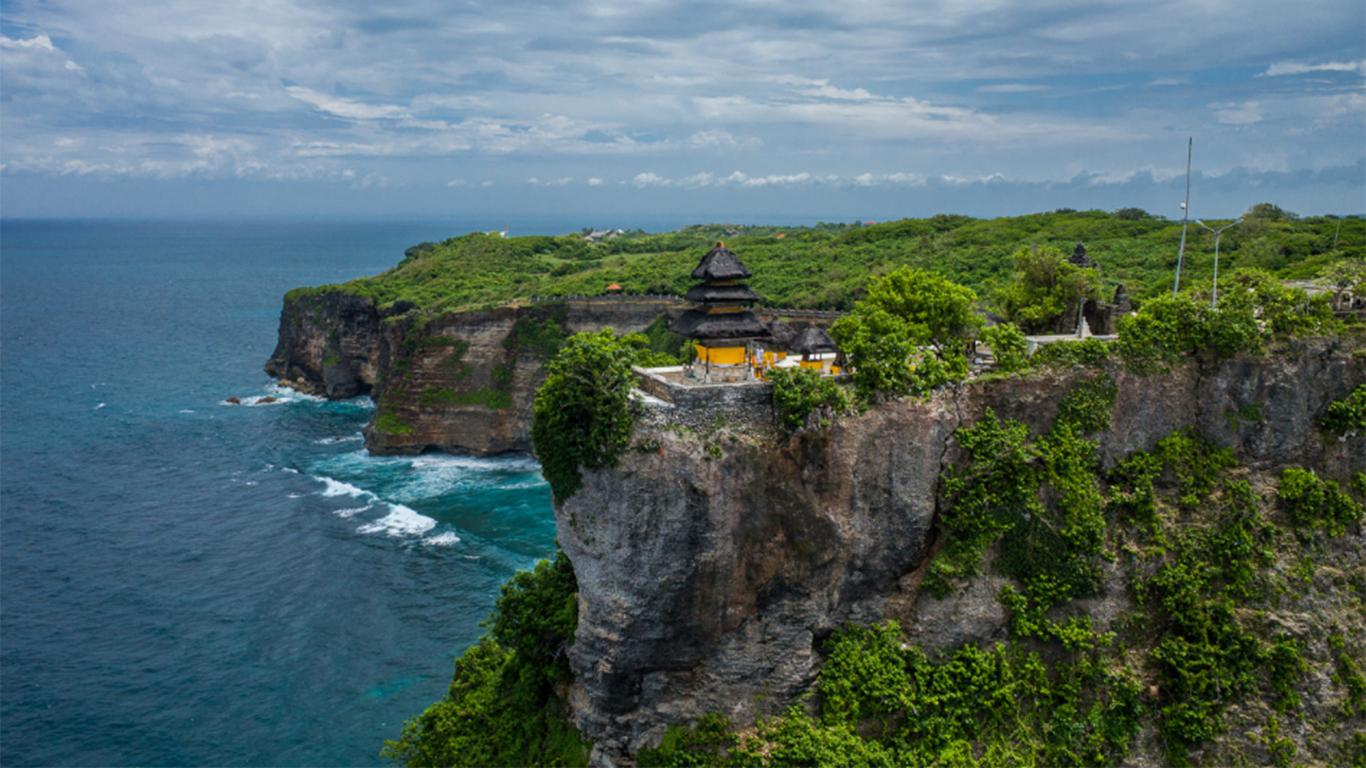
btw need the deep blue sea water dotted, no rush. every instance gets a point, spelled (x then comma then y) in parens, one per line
(184, 582)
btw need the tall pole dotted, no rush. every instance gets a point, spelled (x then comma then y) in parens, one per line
(1185, 217)
(1218, 233)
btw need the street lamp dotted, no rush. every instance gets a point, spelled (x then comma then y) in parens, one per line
(1214, 298)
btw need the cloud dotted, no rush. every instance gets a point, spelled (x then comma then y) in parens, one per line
(718, 139)
(422, 92)
(556, 182)
(1283, 68)
(37, 42)
(347, 108)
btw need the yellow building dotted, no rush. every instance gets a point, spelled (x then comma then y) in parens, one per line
(723, 328)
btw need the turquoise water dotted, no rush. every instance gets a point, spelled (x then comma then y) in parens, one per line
(184, 582)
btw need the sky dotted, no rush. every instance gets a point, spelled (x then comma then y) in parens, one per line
(736, 111)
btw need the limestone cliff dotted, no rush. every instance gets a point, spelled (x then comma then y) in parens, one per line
(712, 565)
(462, 382)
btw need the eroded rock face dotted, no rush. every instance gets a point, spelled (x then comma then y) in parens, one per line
(463, 382)
(712, 567)
(329, 345)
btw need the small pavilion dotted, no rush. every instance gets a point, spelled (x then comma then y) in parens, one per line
(815, 346)
(721, 323)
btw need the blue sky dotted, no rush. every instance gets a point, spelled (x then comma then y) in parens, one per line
(713, 110)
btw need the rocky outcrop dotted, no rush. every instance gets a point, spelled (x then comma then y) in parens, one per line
(329, 345)
(462, 382)
(712, 565)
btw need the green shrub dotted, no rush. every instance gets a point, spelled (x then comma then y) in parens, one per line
(1314, 503)
(583, 413)
(1091, 353)
(390, 423)
(1045, 286)
(908, 335)
(1167, 329)
(1008, 346)
(800, 392)
(1348, 415)
(501, 708)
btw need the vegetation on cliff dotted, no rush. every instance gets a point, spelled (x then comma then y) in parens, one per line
(502, 708)
(584, 411)
(826, 266)
(908, 335)
(1207, 661)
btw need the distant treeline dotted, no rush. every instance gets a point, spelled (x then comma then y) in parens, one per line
(827, 266)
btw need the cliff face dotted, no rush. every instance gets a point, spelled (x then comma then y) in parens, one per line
(711, 567)
(462, 382)
(329, 344)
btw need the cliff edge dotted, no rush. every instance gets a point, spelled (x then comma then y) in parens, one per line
(712, 564)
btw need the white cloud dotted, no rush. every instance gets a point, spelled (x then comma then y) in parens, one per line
(649, 179)
(347, 108)
(718, 139)
(1282, 68)
(37, 43)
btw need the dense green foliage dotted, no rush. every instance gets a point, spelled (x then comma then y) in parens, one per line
(1348, 415)
(1088, 352)
(1314, 503)
(1045, 287)
(908, 335)
(1199, 550)
(1253, 307)
(501, 708)
(1008, 346)
(800, 392)
(584, 412)
(827, 266)
(998, 494)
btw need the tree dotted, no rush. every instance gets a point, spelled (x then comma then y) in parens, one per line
(1008, 346)
(1045, 286)
(908, 334)
(583, 413)
(800, 392)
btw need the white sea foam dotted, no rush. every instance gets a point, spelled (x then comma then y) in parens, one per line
(340, 439)
(101, 405)
(446, 539)
(185, 410)
(352, 511)
(294, 495)
(289, 470)
(401, 521)
(287, 394)
(339, 488)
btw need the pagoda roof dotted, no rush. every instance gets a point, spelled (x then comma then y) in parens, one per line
(699, 324)
(720, 264)
(812, 340)
(721, 294)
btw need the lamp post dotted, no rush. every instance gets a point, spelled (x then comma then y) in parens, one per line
(1214, 297)
(1185, 217)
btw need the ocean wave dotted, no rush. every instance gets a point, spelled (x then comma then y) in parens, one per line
(446, 539)
(339, 439)
(401, 521)
(101, 405)
(339, 488)
(352, 511)
(287, 394)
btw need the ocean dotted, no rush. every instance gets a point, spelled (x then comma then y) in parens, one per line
(186, 582)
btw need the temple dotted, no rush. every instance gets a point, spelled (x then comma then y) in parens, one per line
(721, 324)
